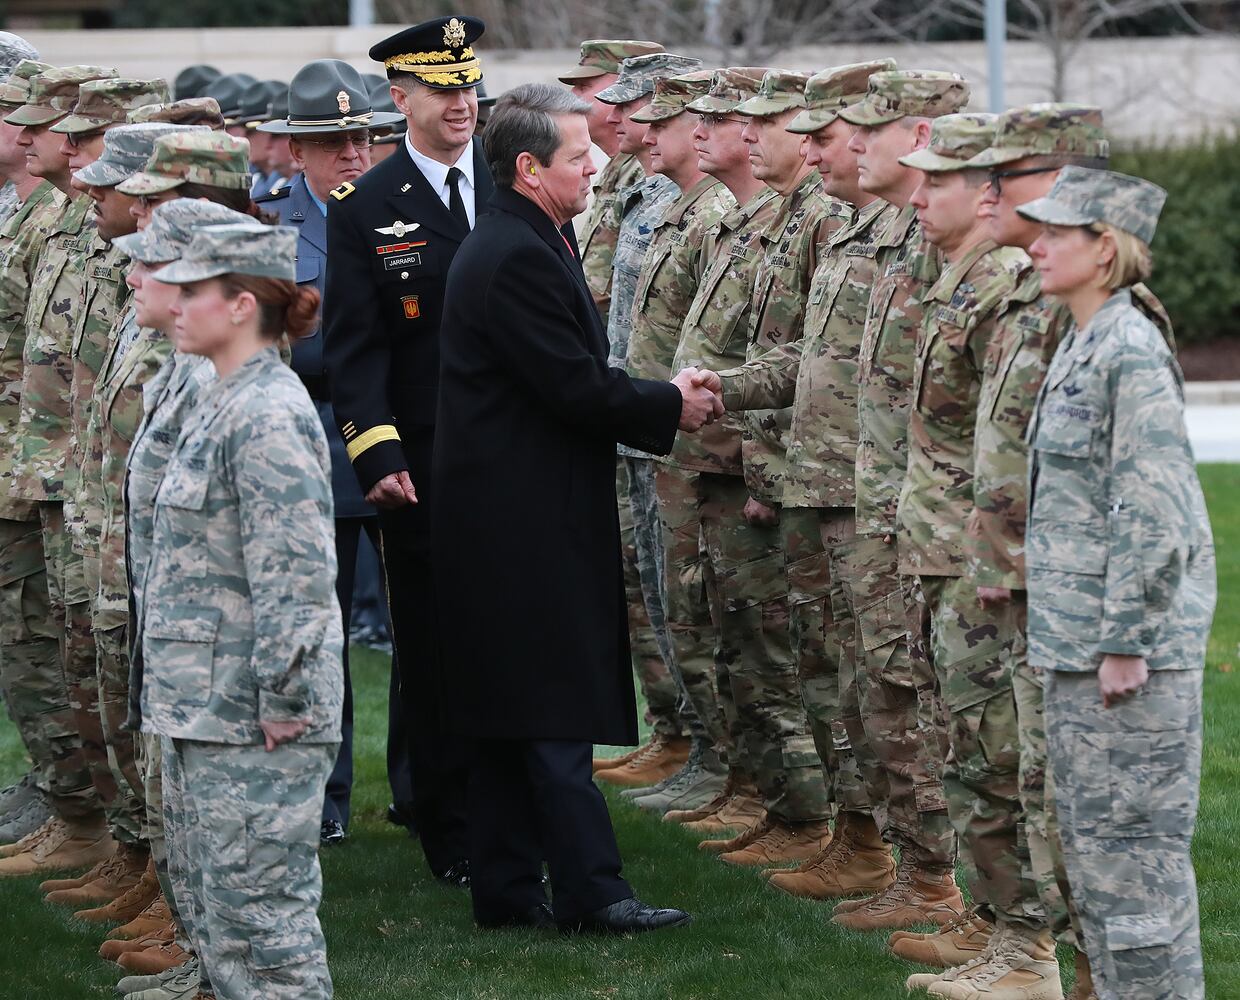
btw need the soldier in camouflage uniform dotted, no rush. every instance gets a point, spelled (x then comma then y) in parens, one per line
(670, 273)
(974, 644)
(192, 164)
(40, 452)
(893, 118)
(817, 376)
(240, 634)
(30, 673)
(638, 209)
(596, 70)
(1121, 578)
(13, 50)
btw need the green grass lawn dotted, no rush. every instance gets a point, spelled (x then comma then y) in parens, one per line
(394, 933)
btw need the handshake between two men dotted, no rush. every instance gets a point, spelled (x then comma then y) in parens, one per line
(701, 394)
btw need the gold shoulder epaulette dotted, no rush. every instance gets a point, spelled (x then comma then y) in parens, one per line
(342, 192)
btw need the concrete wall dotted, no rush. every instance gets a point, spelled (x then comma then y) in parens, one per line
(1151, 89)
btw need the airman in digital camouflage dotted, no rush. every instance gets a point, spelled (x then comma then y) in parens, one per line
(1121, 580)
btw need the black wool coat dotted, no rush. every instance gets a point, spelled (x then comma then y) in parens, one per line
(525, 537)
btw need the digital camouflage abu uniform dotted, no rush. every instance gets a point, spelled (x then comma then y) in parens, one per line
(639, 209)
(240, 624)
(889, 651)
(1120, 561)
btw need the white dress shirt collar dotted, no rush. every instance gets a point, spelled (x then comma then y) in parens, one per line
(436, 175)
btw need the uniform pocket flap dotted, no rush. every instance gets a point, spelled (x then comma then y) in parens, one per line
(183, 488)
(883, 621)
(1139, 930)
(22, 557)
(277, 949)
(755, 582)
(1067, 430)
(1069, 548)
(185, 624)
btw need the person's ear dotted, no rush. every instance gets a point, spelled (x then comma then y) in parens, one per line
(527, 169)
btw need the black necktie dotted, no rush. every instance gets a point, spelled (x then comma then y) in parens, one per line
(456, 204)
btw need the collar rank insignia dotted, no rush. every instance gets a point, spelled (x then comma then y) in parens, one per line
(342, 192)
(398, 229)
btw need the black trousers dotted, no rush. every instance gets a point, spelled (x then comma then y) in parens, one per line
(438, 763)
(531, 800)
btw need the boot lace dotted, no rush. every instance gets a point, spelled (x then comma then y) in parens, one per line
(655, 747)
(1001, 954)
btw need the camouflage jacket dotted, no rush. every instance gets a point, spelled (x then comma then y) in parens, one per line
(641, 208)
(958, 324)
(9, 202)
(21, 239)
(790, 248)
(716, 326)
(134, 357)
(240, 621)
(1119, 555)
(905, 269)
(105, 297)
(45, 438)
(601, 226)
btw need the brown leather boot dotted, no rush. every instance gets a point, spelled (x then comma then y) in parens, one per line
(915, 897)
(125, 870)
(661, 757)
(1084, 988)
(782, 842)
(129, 904)
(112, 950)
(1016, 964)
(151, 920)
(857, 862)
(62, 847)
(961, 941)
(153, 961)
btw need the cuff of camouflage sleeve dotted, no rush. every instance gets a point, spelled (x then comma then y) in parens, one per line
(1127, 645)
(733, 388)
(273, 707)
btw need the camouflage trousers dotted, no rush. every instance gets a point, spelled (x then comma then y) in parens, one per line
(743, 578)
(648, 544)
(648, 664)
(243, 835)
(128, 815)
(150, 766)
(1126, 784)
(32, 675)
(974, 651)
(890, 708)
(823, 641)
(1045, 851)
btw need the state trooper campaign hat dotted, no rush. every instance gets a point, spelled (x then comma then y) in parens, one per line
(237, 248)
(381, 100)
(438, 53)
(600, 56)
(126, 150)
(832, 90)
(954, 141)
(1081, 197)
(329, 95)
(172, 227)
(102, 103)
(227, 90)
(258, 102)
(193, 80)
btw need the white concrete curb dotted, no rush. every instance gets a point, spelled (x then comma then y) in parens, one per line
(1212, 393)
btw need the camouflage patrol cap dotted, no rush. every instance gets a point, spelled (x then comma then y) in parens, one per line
(832, 89)
(728, 88)
(108, 102)
(781, 90)
(191, 111)
(54, 93)
(126, 149)
(672, 95)
(1081, 197)
(13, 49)
(172, 226)
(600, 56)
(908, 92)
(1046, 130)
(639, 73)
(193, 81)
(15, 91)
(236, 248)
(216, 159)
(954, 141)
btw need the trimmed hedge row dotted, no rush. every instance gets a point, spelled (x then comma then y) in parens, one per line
(1197, 246)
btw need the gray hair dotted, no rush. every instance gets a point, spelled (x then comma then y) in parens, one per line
(524, 122)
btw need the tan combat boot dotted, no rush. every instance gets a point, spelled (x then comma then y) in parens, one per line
(129, 904)
(782, 842)
(151, 920)
(127, 865)
(915, 897)
(1084, 988)
(603, 763)
(29, 841)
(662, 756)
(115, 950)
(952, 945)
(857, 862)
(63, 847)
(153, 961)
(56, 884)
(1015, 965)
(740, 813)
(722, 845)
(710, 808)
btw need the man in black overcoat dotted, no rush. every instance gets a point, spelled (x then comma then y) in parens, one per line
(393, 233)
(525, 535)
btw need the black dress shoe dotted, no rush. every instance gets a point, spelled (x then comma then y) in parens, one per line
(628, 916)
(455, 875)
(401, 814)
(331, 833)
(538, 917)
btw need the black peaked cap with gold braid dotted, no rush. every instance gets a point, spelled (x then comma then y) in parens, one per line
(438, 53)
